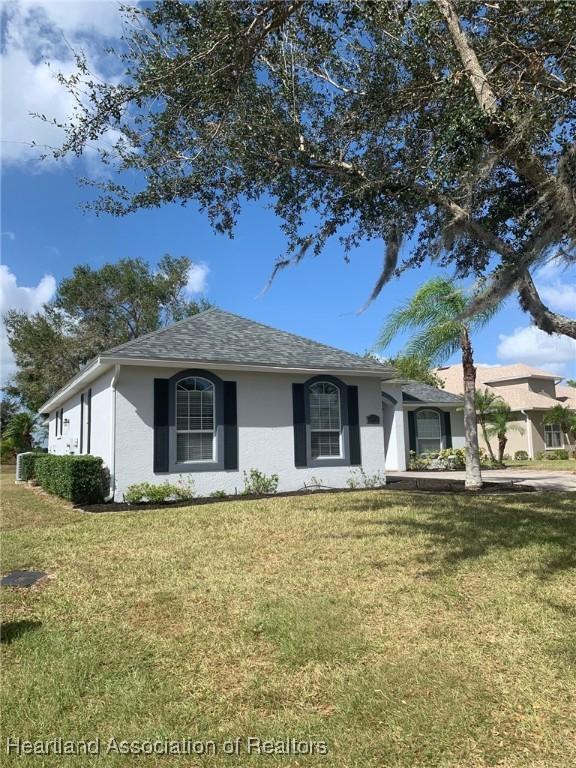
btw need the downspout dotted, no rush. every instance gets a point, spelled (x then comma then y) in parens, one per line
(530, 435)
(112, 464)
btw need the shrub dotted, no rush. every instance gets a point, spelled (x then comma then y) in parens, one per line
(218, 494)
(79, 479)
(448, 459)
(359, 479)
(152, 493)
(558, 454)
(28, 465)
(259, 483)
(521, 456)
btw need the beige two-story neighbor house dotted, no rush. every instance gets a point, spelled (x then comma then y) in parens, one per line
(529, 392)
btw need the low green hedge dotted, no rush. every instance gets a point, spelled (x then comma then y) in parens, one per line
(558, 454)
(28, 465)
(79, 479)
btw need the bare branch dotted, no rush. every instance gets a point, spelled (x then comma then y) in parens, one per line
(544, 318)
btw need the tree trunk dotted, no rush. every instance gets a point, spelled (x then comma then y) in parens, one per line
(544, 318)
(486, 440)
(502, 440)
(473, 480)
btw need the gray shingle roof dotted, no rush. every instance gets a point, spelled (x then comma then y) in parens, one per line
(215, 336)
(416, 392)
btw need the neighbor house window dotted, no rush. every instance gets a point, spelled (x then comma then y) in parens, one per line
(325, 420)
(553, 436)
(428, 431)
(195, 420)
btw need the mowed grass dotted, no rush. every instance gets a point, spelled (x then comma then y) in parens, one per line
(548, 465)
(405, 630)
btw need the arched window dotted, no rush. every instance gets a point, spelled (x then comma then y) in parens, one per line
(195, 420)
(428, 431)
(325, 420)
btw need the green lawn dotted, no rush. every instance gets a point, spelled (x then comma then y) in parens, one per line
(404, 630)
(551, 465)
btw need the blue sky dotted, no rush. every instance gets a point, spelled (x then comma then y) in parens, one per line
(45, 232)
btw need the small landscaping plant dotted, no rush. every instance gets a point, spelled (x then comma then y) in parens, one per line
(79, 479)
(152, 493)
(219, 494)
(259, 483)
(521, 456)
(360, 479)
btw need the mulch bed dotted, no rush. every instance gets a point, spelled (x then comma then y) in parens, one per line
(422, 485)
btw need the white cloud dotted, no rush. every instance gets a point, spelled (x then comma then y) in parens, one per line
(23, 298)
(560, 296)
(197, 277)
(35, 32)
(532, 346)
(9, 235)
(556, 285)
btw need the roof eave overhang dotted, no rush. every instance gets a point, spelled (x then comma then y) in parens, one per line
(525, 378)
(85, 376)
(103, 363)
(435, 403)
(233, 366)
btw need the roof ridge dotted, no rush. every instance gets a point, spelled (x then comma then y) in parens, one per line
(158, 331)
(219, 311)
(294, 335)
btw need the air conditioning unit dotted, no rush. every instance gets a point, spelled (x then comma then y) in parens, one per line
(19, 478)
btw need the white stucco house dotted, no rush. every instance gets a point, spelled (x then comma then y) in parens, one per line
(217, 394)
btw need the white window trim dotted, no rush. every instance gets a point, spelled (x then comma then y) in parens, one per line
(440, 435)
(340, 453)
(554, 447)
(212, 431)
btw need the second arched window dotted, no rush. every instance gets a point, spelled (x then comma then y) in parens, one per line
(195, 420)
(325, 420)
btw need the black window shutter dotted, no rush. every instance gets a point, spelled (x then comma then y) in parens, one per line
(61, 421)
(412, 431)
(299, 421)
(161, 425)
(82, 423)
(354, 426)
(447, 429)
(230, 426)
(88, 419)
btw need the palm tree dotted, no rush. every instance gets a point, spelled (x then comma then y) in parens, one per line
(485, 402)
(565, 417)
(499, 419)
(20, 431)
(436, 314)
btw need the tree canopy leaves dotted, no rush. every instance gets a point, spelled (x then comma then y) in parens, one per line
(443, 128)
(93, 310)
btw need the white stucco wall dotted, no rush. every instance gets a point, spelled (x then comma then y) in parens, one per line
(457, 426)
(69, 442)
(395, 429)
(265, 432)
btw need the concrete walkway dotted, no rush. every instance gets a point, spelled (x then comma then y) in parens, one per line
(544, 481)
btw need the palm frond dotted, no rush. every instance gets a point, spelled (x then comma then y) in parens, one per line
(436, 303)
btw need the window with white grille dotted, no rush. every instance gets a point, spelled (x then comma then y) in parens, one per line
(325, 421)
(195, 420)
(428, 432)
(553, 436)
